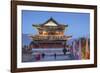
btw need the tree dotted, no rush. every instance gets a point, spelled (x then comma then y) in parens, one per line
(64, 51)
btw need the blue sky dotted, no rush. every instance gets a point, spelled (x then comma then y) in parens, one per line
(78, 23)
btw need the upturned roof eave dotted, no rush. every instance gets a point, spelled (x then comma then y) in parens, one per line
(51, 19)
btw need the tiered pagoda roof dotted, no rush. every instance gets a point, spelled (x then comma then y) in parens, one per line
(54, 31)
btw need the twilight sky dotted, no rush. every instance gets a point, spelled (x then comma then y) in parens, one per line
(78, 23)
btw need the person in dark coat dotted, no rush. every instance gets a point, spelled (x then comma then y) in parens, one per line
(43, 55)
(55, 56)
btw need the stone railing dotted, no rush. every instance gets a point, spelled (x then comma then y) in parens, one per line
(50, 37)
